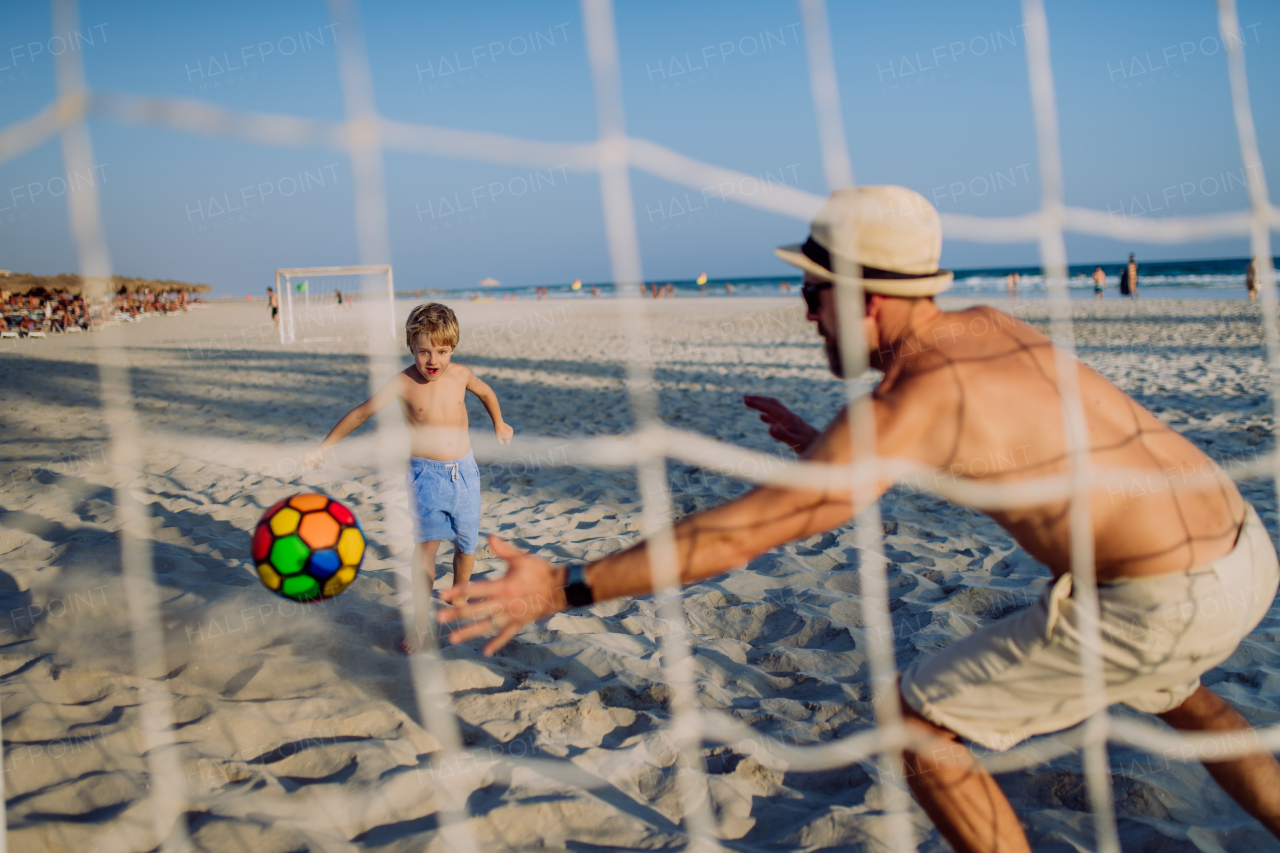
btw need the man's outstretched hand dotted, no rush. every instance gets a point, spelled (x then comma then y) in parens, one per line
(531, 589)
(784, 425)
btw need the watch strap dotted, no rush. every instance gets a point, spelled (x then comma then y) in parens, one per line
(577, 591)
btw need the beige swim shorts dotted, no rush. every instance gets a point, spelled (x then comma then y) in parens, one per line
(1022, 676)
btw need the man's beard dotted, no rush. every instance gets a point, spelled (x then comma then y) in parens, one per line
(832, 347)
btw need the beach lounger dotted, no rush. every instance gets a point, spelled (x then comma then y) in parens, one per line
(36, 335)
(8, 334)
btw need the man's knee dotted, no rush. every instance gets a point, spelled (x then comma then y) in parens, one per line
(1192, 706)
(1203, 709)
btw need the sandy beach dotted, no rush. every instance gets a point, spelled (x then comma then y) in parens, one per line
(296, 728)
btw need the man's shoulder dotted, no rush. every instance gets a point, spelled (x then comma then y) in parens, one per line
(987, 324)
(916, 388)
(972, 337)
(911, 409)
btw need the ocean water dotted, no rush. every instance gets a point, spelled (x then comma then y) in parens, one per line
(1217, 278)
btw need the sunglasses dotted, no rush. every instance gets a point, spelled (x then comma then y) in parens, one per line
(812, 299)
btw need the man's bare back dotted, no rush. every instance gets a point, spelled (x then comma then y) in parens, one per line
(975, 394)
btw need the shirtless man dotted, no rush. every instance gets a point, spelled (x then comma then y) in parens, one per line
(1099, 283)
(443, 480)
(1185, 567)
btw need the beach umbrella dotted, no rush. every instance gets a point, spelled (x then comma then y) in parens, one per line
(702, 279)
(73, 285)
(489, 282)
(577, 284)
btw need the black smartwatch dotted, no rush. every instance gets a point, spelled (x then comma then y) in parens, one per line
(577, 591)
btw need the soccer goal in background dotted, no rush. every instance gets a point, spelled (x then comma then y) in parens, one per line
(333, 303)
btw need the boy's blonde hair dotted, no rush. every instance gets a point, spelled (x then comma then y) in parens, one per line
(437, 321)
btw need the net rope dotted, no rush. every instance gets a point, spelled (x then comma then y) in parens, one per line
(364, 136)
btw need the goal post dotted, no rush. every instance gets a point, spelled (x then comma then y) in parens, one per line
(285, 286)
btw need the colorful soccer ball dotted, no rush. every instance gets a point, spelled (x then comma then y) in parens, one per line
(308, 547)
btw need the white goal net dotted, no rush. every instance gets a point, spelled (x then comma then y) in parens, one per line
(612, 155)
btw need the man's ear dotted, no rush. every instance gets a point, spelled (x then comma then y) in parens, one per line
(875, 304)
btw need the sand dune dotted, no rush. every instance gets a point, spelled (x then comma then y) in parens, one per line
(296, 728)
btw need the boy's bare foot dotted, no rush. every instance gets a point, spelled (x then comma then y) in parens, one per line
(412, 644)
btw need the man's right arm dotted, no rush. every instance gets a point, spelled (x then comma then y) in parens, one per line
(707, 543)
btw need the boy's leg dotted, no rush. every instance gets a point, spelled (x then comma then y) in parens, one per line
(423, 574)
(462, 565)
(466, 520)
(959, 795)
(1253, 781)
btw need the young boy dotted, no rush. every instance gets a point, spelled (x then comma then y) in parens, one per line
(443, 480)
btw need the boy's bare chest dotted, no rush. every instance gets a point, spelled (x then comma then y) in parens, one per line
(445, 399)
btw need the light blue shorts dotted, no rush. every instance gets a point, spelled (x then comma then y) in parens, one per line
(444, 500)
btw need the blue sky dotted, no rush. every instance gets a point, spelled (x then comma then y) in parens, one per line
(934, 96)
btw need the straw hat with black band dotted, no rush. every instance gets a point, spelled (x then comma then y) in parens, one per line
(893, 232)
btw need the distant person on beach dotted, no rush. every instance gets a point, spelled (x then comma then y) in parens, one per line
(338, 293)
(1012, 283)
(1099, 283)
(443, 480)
(1185, 567)
(1129, 279)
(1251, 278)
(275, 306)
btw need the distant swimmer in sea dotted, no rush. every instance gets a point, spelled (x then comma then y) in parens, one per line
(1251, 278)
(1099, 283)
(1185, 568)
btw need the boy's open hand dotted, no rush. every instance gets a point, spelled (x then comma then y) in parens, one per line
(531, 589)
(504, 432)
(784, 425)
(313, 458)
